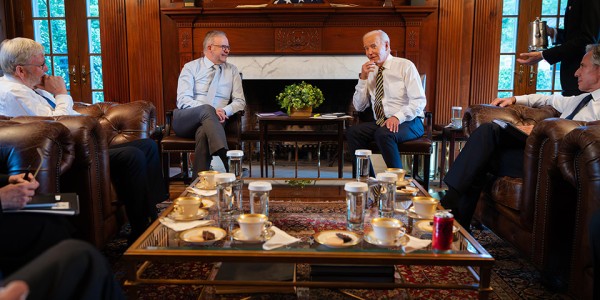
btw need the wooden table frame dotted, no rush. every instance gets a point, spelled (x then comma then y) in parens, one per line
(288, 135)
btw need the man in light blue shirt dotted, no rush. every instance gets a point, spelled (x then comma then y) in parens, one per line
(209, 91)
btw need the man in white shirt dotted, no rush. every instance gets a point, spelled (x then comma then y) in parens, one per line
(491, 149)
(399, 112)
(209, 91)
(26, 90)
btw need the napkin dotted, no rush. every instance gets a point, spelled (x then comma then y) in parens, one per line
(415, 244)
(279, 239)
(181, 226)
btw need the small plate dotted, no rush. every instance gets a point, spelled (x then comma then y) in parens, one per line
(329, 238)
(177, 217)
(427, 225)
(408, 191)
(370, 238)
(402, 183)
(194, 235)
(238, 236)
(414, 215)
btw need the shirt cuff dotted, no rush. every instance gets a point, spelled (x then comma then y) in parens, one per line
(521, 100)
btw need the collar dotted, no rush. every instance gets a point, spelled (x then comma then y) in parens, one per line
(596, 95)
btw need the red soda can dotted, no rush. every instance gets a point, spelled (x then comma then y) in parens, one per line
(443, 222)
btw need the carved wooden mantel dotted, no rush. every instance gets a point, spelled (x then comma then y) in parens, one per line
(299, 30)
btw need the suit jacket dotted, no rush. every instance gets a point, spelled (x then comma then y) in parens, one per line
(582, 27)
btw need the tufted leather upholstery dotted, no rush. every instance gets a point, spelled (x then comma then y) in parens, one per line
(18, 151)
(523, 210)
(578, 160)
(103, 124)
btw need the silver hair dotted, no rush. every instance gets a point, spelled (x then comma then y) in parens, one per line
(382, 35)
(17, 52)
(595, 49)
(208, 39)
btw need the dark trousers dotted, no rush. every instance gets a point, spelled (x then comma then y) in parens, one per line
(489, 149)
(595, 244)
(70, 270)
(24, 236)
(136, 173)
(202, 124)
(361, 135)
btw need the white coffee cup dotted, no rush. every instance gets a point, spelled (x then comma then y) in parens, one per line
(254, 226)
(207, 179)
(387, 230)
(399, 172)
(187, 206)
(425, 206)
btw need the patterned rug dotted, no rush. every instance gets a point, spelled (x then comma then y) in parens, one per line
(512, 277)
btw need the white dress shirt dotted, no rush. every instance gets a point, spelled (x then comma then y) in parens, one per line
(17, 99)
(565, 105)
(195, 79)
(403, 94)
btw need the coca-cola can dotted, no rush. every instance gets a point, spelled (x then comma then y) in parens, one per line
(443, 222)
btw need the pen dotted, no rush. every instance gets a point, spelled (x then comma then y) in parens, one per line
(27, 172)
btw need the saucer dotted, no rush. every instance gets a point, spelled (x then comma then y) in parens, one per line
(408, 191)
(414, 215)
(370, 238)
(329, 238)
(177, 217)
(194, 235)
(427, 225)
(402, 183)
(237, 235)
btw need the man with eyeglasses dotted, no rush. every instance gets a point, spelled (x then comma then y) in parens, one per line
(209, 91)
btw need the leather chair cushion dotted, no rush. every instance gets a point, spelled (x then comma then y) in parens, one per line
(507, 191)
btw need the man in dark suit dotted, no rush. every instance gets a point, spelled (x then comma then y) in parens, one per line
(582, 27)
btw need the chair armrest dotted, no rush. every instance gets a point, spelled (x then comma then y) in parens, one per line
(233, 128)
(476, 115)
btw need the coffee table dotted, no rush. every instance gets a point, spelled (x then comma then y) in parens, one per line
(161, 244)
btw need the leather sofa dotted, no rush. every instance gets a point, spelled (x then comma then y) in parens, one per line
(579, 162)
(100, 126)
(520, 209)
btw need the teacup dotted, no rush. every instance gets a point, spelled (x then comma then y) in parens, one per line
(425, 206)
(399, 172)
(387, 230)
(207, 179)
(187, 206)
(254, 226)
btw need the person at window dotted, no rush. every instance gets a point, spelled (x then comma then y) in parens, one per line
(582, 27)
(26, 90)
(70, 270)
(25, 235)
(209, 91)
(491, 149)
(397, 99)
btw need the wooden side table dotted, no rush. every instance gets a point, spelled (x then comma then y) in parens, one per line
(449, 135)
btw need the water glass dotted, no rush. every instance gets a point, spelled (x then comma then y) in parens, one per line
(234, 158)
(259, 197)
(228, 195)
(356, 199)
(363, 164)
(387, 193)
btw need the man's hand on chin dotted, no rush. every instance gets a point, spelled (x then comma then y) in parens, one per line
(54, 85)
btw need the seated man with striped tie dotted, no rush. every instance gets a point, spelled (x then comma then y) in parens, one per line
(490, 149)
(209, 91)
(392, 86)
(26, 90)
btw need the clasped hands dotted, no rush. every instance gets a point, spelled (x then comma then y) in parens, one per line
(18, 192)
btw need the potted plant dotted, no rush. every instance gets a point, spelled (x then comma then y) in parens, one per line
(299, 99)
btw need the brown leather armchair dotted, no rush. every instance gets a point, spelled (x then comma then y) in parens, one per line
(578, 160)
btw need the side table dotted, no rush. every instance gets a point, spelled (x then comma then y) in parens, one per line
(449, 135)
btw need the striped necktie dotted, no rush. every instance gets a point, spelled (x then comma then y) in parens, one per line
(379, 97)
(581, 104)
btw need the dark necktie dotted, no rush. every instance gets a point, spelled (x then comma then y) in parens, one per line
(581, 104)
(379, 97)
(52, 104)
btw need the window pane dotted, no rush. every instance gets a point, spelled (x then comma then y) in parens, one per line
(507, 69)
(61, 68)
(561, 23)
(96, 76)
(92, 8)
(509, 35)
(563, 7)
(550, 22)
(549, 7)
(557, 85)
(57, 8)
(59, 36)
(504, 94)
(97, 97)
(41, 33)
(544, 76)
(94, 36)
(39, 8)
(510, 7)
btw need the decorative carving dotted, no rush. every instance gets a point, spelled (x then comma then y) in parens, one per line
(298, 39)
(412, 38)
(186, 40)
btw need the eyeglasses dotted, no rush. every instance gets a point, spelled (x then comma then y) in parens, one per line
(35, 65)
(224, 47)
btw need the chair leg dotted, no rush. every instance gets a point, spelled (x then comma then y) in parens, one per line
(415, 168)
(166, 164)
(426, 166)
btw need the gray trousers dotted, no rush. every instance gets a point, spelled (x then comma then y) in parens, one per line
(202, 124)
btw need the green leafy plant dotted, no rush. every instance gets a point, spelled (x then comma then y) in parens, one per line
(301, 183)
(299, 95)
